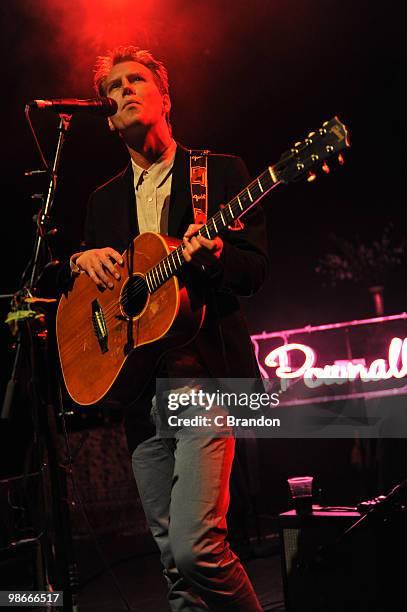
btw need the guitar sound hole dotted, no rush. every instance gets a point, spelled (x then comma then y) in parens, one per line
(134, 296)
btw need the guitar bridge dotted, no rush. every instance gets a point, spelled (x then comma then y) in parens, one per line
(99, 326)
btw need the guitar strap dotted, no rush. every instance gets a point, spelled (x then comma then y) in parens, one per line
(198, 176)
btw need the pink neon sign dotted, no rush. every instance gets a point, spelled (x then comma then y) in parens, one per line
(341, 371)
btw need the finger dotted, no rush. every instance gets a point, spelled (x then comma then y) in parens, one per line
(202, 255)
(187, 243)
(107, 262)
(186, 254)
(196, 256)
(81, 263)
(192, 229)
(215, 245)
(210, 245)
(92, 274)
(115, 255)
(195, 248)
(100, 272)
(194, 244)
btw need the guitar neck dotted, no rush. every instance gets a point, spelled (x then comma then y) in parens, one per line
(236, 208)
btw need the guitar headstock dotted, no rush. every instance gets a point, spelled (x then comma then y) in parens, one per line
(309, 155)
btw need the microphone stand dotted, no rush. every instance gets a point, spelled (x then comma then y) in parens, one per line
(56, 543)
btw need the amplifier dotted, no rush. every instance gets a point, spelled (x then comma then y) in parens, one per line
(326, 569)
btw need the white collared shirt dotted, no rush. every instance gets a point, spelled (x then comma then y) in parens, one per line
(153, 188)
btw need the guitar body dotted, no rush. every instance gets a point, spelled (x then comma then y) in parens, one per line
(101, 331)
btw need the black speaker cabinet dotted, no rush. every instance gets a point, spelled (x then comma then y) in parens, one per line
(328, 570)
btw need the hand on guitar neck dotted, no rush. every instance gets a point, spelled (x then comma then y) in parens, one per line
(199, 250)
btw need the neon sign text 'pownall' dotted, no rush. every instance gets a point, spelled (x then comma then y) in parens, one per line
(341, 371)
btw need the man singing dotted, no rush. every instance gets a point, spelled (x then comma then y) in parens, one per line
(183, 481)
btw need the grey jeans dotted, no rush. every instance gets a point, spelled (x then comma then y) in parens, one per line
(184, 488)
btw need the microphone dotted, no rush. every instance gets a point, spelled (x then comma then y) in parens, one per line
(101, 106)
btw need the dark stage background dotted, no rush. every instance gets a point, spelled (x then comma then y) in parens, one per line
(248, 78)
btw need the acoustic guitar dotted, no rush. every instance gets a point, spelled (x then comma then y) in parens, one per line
(111, 341)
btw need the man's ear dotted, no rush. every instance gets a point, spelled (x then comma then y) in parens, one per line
(166, 103)
(110, 124)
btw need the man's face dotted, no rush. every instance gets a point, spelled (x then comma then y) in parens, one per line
(139, 100)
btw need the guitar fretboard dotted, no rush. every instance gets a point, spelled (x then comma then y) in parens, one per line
(239, 205)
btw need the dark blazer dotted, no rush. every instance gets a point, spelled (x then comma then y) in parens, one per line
(223, 343)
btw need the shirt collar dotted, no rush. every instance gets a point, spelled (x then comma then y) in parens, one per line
(158, 171)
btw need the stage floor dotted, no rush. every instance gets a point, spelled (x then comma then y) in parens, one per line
(141, 580)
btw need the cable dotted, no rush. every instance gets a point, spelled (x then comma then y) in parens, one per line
(37, 144)
(17, 543)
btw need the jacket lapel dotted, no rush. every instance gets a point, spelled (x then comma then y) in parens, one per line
(129, 198)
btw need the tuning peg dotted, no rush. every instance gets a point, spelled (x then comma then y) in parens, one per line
(340, 159)
(311, 176)
(325, 168)
(311, 134)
